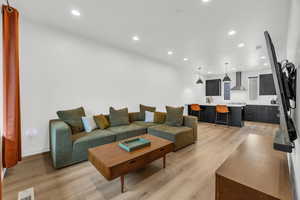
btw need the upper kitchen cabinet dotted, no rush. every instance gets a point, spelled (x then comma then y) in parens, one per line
(213, 87)
(266, 85)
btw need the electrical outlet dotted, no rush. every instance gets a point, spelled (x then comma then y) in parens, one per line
(27, 194)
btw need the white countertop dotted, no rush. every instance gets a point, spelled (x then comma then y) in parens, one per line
(236, 105)
(227, 104)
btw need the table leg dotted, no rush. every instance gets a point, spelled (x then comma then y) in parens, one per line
(122, 183)
(164, 161)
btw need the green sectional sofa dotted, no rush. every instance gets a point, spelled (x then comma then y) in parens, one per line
(67, 148)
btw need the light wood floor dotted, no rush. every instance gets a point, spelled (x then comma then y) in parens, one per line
(189, 173)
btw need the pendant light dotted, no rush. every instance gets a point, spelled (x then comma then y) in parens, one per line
(199, 81)
(226, 77)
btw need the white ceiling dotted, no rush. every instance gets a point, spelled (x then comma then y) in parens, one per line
(190, 28)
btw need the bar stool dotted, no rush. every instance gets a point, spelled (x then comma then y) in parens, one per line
(196, 108)
(221, 110)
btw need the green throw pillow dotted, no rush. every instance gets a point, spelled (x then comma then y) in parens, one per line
(174, 116)
(118, 117)
(144, 108)
(73, 118)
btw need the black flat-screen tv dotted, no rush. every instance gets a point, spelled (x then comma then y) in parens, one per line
(284, 80)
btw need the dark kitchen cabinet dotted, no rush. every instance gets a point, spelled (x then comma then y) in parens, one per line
(261, 113)
(208, 114)
(266, 85)
(213, 87)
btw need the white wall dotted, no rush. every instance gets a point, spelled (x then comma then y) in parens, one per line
(242, 96)
(63, 71)
(293, 53)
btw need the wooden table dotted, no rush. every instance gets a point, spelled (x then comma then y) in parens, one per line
(112, 161)
(254, 171)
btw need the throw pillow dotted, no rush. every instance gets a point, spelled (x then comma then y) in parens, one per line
(101, 121)
(118, 117)
(89, 124)
(159, 117)
(134, 116)
(72, 118)
(149, 116)
(174, 116)
(144, 108)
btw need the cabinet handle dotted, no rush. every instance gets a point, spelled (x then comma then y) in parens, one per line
(162, 149)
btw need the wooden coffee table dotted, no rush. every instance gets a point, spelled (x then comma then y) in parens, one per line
(113, 162)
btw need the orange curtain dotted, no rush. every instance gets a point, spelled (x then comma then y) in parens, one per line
(11, 88)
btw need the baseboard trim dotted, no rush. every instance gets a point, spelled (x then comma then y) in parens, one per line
(30, 154)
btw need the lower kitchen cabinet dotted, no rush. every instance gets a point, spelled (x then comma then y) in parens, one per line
(262, 113)
(208, 114)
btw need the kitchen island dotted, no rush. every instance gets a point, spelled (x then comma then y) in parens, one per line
(208, 114)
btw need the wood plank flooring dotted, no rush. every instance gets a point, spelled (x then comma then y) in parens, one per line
(189, 173)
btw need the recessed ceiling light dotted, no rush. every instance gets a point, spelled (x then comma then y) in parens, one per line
(263, 57)
(231, 32)
(209, 72)
(170, 53)
(206, 1)
(233, 68)
(266, 64)
(241, 45)
(185, 59)
(135, 38)
(75, 13)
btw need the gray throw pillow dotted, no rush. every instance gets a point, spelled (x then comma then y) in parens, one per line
(174, 116)
(144, 108)
(72, 118)
(118, 117)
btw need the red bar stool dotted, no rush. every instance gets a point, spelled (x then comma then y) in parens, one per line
(222, 110)
(196, 108)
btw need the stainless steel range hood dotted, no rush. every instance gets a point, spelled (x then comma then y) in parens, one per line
(238, 84)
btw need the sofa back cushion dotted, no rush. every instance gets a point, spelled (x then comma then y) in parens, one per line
(144, 108)
(118, 117)
(101, 121)
(160, 117)
(174, 116)
(73, 118)
(134, 116)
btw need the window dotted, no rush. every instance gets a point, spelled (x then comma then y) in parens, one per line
(227, 91)
(253, 88)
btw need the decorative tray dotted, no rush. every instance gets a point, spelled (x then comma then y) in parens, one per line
(133, 144)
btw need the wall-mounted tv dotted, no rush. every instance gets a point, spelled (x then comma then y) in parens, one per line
(284, 75)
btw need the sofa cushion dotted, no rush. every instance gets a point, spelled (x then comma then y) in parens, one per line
(174, 116)
(145, 124)
(72, 118)
(144, 108)
(127, 131)
(118, 117)
(94, 135)
(181, 135)
(160, 117)
(89, 140)
(134, 116)
(101, 121)
(78, 135)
